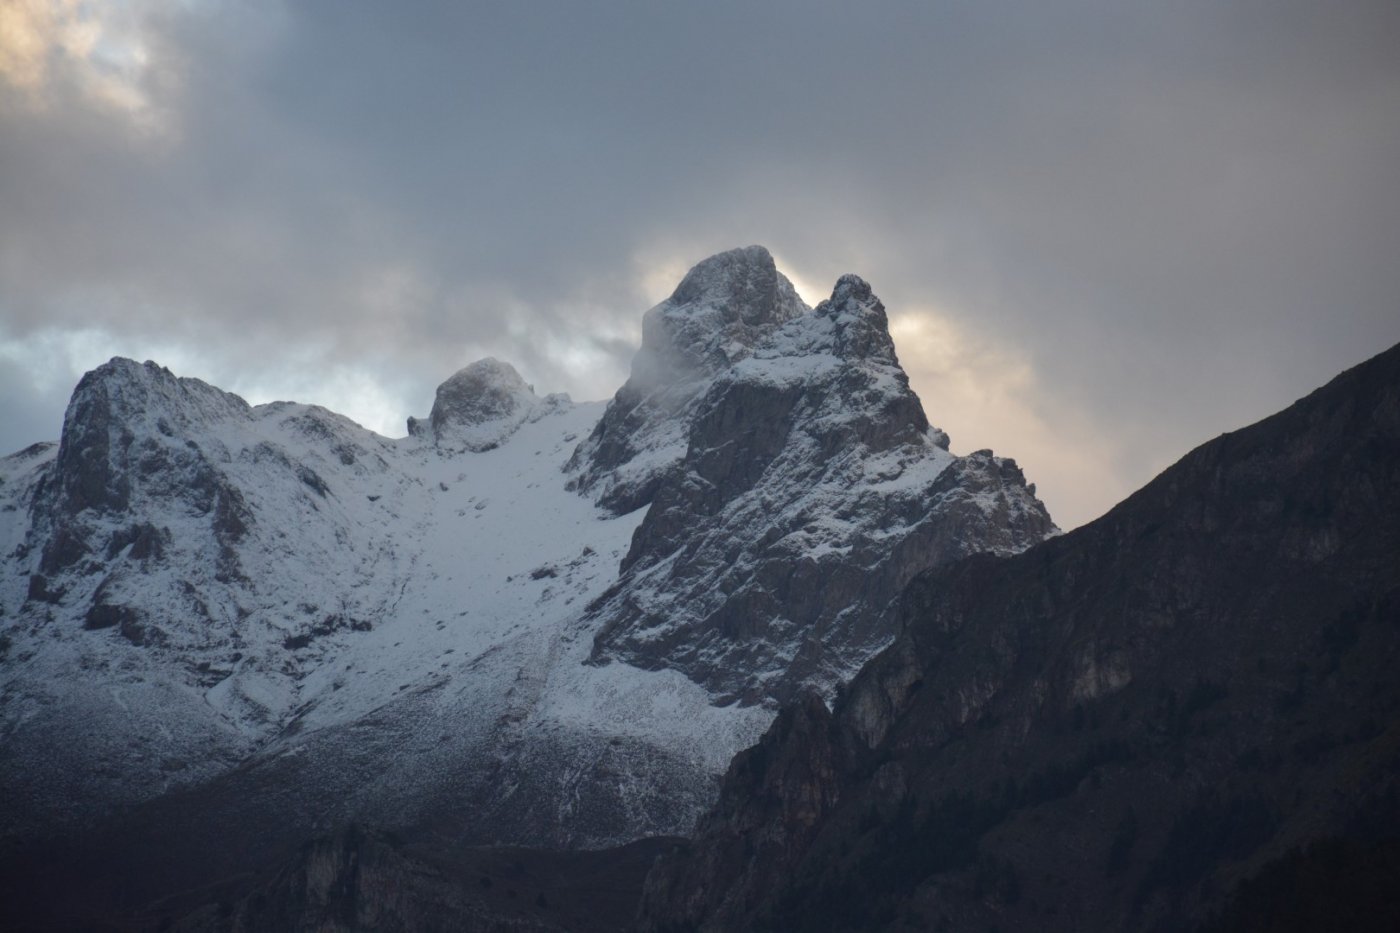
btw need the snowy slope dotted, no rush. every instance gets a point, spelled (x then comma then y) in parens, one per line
(299, 621)
(366, 571)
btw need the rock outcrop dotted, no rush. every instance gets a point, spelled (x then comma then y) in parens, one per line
(146, 595)
(809, 489)
(480, 406)
(229, 628)
(1183, 715)
(721, 310)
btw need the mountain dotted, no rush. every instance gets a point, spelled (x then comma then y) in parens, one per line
(228, 629)
(1181, 716)
(794, 487)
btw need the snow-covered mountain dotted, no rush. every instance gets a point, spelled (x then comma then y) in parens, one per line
(529, 620)
(793, 491)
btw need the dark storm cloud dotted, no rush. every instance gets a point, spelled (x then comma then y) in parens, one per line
(1177, 218)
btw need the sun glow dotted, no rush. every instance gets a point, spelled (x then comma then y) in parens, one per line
(987, 395)
(101, 50)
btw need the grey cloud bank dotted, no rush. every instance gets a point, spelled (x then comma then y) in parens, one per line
(1103, 236)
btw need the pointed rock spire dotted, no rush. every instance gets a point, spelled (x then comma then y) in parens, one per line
(721, 310)
(725, 307)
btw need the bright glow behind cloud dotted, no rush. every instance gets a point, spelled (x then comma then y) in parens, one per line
(987, 396)
(1103, 234)
(100, 48)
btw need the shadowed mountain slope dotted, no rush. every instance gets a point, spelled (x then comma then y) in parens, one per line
(1182, 715)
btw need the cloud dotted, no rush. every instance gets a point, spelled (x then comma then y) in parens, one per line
(989, 396)
(49, 48)
(1137, 228)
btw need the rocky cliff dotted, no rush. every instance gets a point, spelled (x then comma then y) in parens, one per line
(719, 312)
(230, 628)
(796, 487)
(1183, 715)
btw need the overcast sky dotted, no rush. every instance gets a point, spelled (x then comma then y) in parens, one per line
(1102, 236)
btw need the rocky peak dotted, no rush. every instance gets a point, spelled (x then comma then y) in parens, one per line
(724, 308)
(852, 286)
(741, 285)
(721, 310)
(858, 327)
(807, 479)
(850, 326)
(1172, 689)
(111, 407)
(478, 407)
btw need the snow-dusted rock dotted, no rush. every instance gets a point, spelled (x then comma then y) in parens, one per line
(198, 593)
(723, 308)
(478, 407)
(307, 622)
(811, 490)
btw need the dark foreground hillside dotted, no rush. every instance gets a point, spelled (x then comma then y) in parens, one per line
(1184, 715)
(352, 879)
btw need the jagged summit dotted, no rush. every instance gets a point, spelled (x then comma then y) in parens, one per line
(729, 308)
(248, 595)
(723, 308)
(148, 392)
(741, 285)
(850, 326)
(481, 405)
(859, 326)
(777, 492)
(116, 402)
(851, 285)
(1181, 716)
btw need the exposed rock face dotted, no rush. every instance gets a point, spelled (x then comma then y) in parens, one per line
(723, 308)
(142, 592)
(810, 490)
(242, 625)
(122, 438)
(775, 798)
(481, 406)
(1182, 713)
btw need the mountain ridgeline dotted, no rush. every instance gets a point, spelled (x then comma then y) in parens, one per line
(794, 487)
(744, 648)
(1181, 716)
(229, 629)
